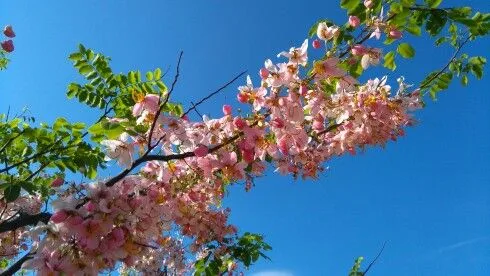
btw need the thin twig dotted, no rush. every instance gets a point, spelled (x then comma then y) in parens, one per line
(425, 84)
(375, 259)
(193, 107)
(161, 105)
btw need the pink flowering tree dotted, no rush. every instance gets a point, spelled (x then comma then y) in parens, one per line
(162, 213)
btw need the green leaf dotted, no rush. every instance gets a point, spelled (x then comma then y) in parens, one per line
(389, 60)
(158, 73)
(413, 29)
(349, 5)
(436, 21)
(85, 70)
(464, 80)
(11, 192)
(433, 3)
(405, 50)
(149, 76)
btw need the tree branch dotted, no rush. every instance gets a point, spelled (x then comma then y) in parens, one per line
(17, 265)
(24, 219)
(375, 259)
(193, 107)
(425, 84)
(161, 105)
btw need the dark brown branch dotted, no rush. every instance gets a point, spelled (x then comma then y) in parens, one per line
(193, 107)
(23, 220)
(17, 265)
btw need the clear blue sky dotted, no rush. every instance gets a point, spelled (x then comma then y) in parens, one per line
(428, 194)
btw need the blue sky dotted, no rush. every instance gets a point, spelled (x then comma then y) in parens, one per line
(428, 194)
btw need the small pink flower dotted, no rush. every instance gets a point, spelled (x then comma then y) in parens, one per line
(316, 44)
(368, 3)
(227, 109)
(242, 97)
(57, 182)
(149, 103)
(201, 151)
(118, 234)
(59, 216)
(8, 31)
(90, 206)
(277, 122)
(358, 50)
(354, 21)
(74, 220)
(395, 34)
(239, 123)
(7, 45)
(248, 155)
(264, 73)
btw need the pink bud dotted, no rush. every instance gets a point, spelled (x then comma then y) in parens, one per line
(239, 123)
(59, 216)
(358, 50)
(201, 151)
(354, 21)
(317, 125)
(90, 206)
(7, 45)
(248, 155)
(8, 32)
(368, 3)
(185, 118)
(118, 234)
(227, 109)
(242, 97)
(57, 182)
(395, 34)
(277, 122)
(264, 73)
(74, 220)
(316, 44)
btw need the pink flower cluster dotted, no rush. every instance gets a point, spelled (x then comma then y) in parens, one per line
(295, 125)
(14, 242)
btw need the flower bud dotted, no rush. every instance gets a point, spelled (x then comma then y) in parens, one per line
(201, 151)
(227, 109)
(7, 45)
(316, 44)
(59, 216)
(354, 21)
(264, 73)
(8, 32)
(57, 182)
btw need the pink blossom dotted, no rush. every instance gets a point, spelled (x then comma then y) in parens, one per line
(297, 55)
(316, 44)
(201, 151)
(57, 182)
(395, 34)
(354, 21)
(324, 32)
(358, 50)
(59, 216)
(227, 109)
(149, 103)
(264, 73)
